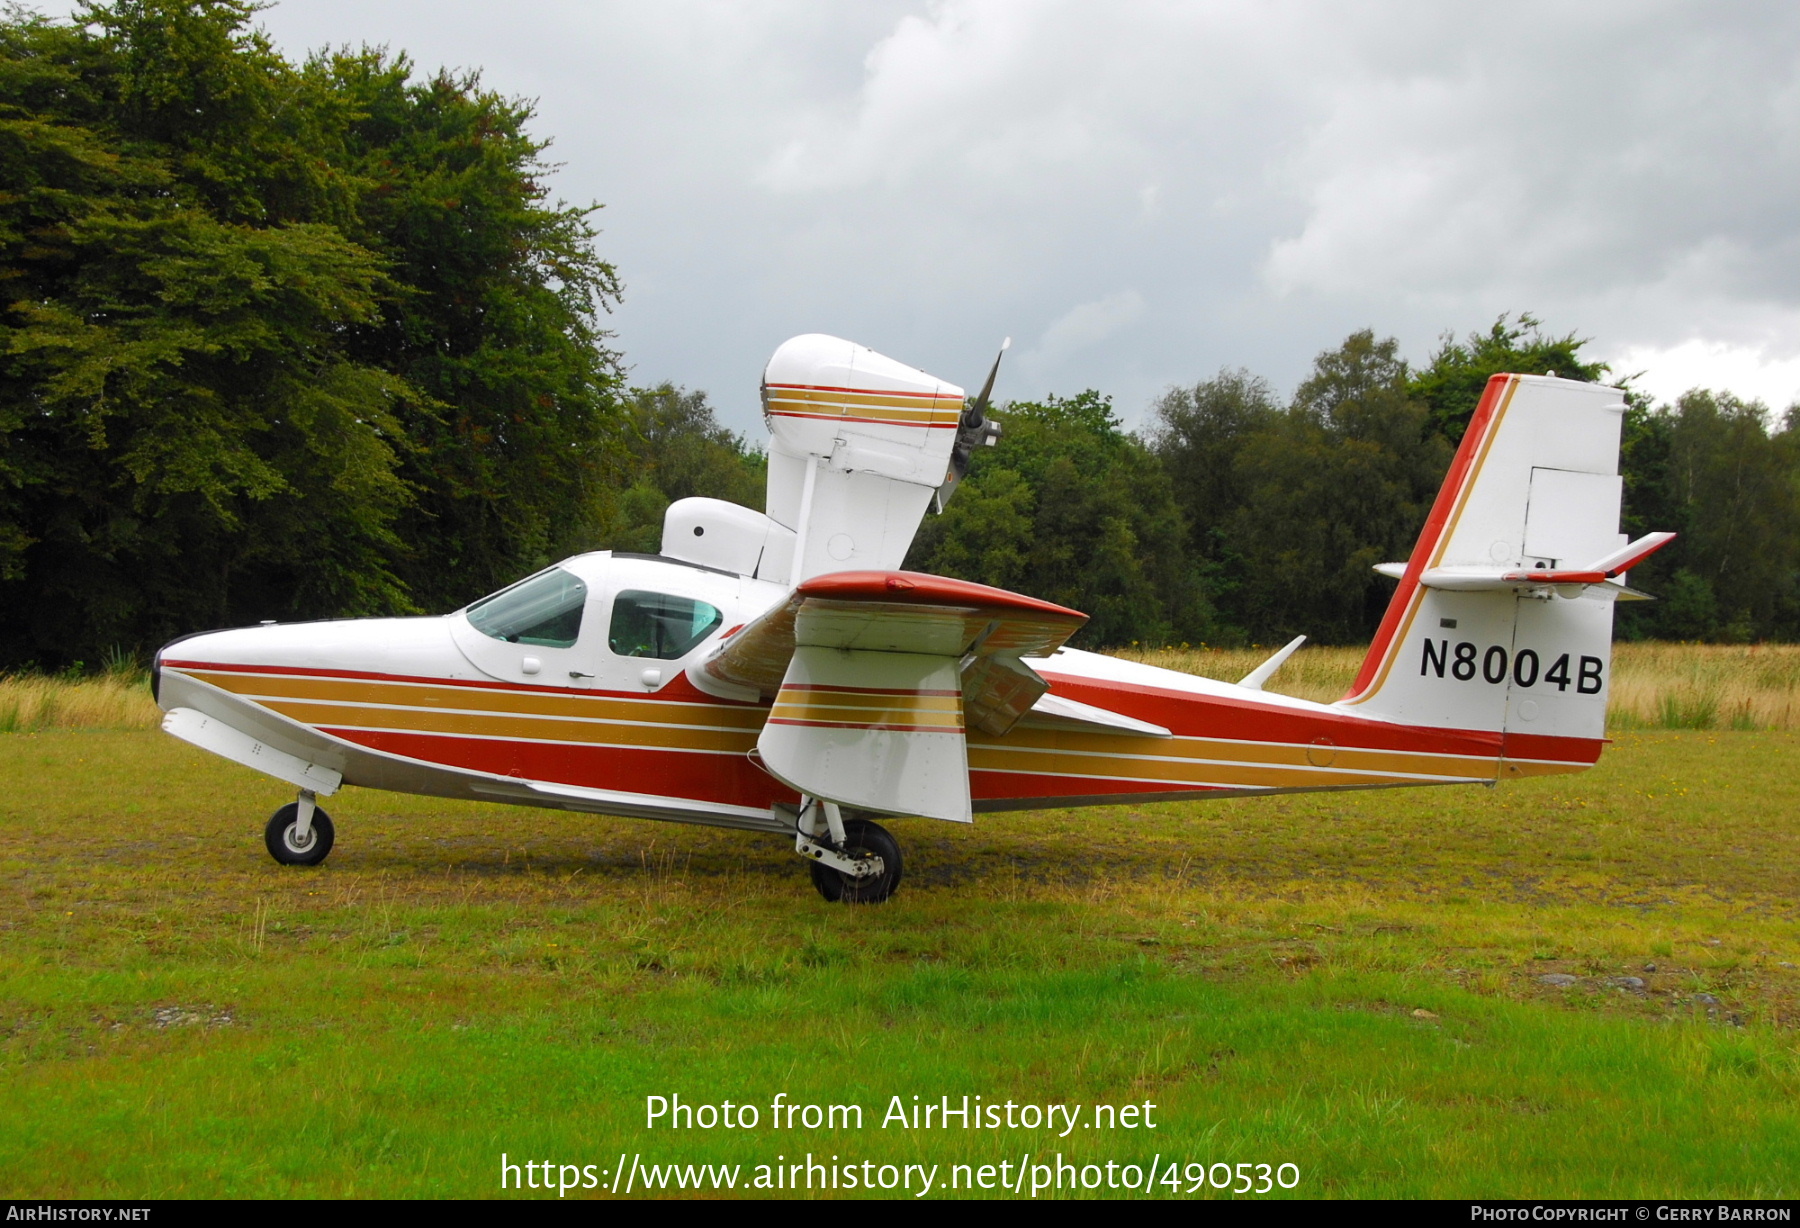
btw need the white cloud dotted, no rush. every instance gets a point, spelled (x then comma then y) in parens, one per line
(930, 175)
(1749, 371)
(1639, 162)
(1084, 326)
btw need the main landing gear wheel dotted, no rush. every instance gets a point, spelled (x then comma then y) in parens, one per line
(861, 837)
(282, 832)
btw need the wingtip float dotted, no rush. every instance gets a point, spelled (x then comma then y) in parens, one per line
(779, 672)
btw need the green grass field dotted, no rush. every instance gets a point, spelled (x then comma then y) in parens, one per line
(1351, 984)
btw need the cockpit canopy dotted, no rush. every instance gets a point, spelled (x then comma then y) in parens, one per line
(544, 610)
(649, 615)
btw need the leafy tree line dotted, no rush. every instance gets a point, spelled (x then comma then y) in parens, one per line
(279, 340)
(1237, 517)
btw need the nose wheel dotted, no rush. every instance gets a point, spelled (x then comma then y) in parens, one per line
(299, 834)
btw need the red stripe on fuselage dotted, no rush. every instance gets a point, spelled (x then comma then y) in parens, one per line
(706, 777)
(988, 786)
(1559, 750)
(783, 720)
(863, 690)
(1209, 716)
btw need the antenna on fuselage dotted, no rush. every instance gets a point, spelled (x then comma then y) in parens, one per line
(974, 430)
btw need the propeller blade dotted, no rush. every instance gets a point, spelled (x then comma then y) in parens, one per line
(978, 407)
(972, 431)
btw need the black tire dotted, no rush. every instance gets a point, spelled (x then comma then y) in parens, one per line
(861, 836)
(829, 882)
(279, 837)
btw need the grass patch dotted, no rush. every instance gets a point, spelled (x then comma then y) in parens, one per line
(1354, 984)
(115, 699)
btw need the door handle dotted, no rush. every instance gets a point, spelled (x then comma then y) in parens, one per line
(575, 673)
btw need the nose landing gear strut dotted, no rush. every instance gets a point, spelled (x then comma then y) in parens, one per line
(299, 834)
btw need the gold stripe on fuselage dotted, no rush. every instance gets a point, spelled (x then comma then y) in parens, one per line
(481, 712)
(1198, 771)
(514, 728)
(1231, 749)
(843, 707)
(881, 417)
(950, 722)
(929, 401)
(900, 411)
(426, 695)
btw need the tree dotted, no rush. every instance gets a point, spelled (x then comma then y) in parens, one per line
(1450, 386)
(1728, 487)
(676, 449)
(1341, 482)
(1072, 509)
(1200, 434)
(281, 341)
(518, 452)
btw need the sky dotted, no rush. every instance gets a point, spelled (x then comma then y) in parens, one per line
(1143, 193)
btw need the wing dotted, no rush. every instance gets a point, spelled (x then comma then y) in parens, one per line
(876, 674)
(900, 611)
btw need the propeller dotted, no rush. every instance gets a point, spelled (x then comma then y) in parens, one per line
(974, 430)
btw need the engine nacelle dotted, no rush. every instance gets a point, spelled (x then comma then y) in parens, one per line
(858, 443)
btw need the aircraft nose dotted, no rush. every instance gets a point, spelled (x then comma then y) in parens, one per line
(157, 660)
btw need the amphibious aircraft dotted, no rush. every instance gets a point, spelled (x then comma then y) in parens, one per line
(775, 671)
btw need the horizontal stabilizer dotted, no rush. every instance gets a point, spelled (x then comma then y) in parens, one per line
(1606, 571)
(1502, 578)
(1628, 556)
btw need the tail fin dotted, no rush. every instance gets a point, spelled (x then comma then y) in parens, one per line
(1503, 619)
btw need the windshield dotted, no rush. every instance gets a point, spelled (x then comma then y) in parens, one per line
(658, 625)
(544, 610)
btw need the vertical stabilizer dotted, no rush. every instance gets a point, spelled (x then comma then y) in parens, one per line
(1474, 638)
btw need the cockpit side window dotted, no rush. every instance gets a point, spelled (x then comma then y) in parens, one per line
(657, 625)
(544, 610)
